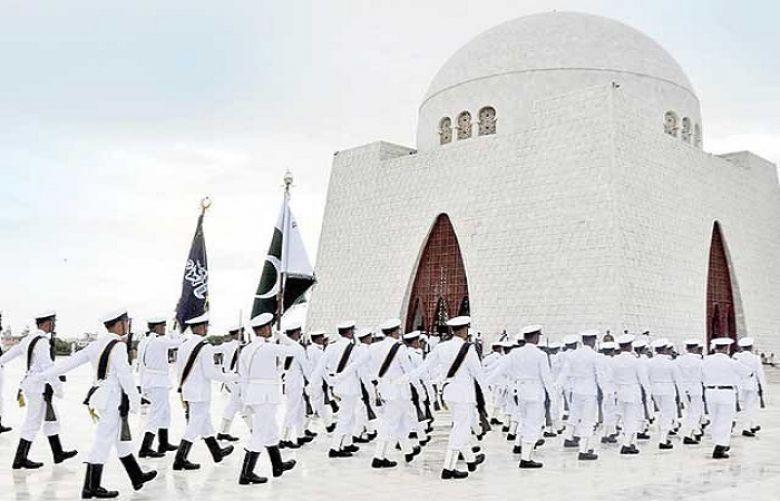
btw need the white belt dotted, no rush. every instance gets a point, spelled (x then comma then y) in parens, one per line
(263, 381)
(156, 371)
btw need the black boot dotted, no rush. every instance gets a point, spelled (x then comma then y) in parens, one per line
(56, 450)
(137, 477)
(529, 464)
(162, 441)
(517, 449)
(217, 453)
(181, 462)
(665, 445)
(628, 450)
(748, 433)
(227, 437)
(453, 474)
(383, 463)
(309, 433)
(92, 488)
(478, 460)
(20, 460)
(690, 441)
(719, 452)
(277, 465)
(587, 456)
(248, 470)
(3, 429)
(333, 453)
(146, 447)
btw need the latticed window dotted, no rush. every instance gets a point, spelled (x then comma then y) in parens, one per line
(685, 133)
(487, 121)
(464, 125)
(670, 123)
(445, 130)
(697, 135)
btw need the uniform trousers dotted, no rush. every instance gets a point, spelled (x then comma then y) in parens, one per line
(693, 413)
(294, 412)
(265, 430)
(748, 401)
(159, 415)
(234, 403)
(199, 422)
(107, 436)
(34, 418)
(610, 411)
(722, 407)
(346, 421)
(632, 414)
(531, 418)
(317, 399)
(667, 409)
(582, 416)
(462, 417)
(556, 408)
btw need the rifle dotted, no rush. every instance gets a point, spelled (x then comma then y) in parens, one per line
(677, 402)
(547, 414)
(761, 395)
(704, 399)
(600, 399)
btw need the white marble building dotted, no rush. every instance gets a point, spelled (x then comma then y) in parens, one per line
(562, 156)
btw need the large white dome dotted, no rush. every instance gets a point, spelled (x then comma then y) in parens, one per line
(510, 66)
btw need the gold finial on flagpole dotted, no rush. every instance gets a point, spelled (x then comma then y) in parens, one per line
(205, 203)
(288, 180)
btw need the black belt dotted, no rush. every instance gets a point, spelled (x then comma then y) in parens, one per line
(719, 387)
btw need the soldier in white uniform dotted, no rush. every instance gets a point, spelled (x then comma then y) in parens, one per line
(261, 394)
(229, 350)
(459, 362)
(608, 394)
(570, 342)
(663, 375)
(41, 410)
(196, 370)
(722, 376)
(113, 396)
(318, 388)
(155, 385)
(390, 360)
(296, 372)
(582, 367)
(340, 366)
(489, 362)
(648, 412)
(692, 391)
(529, 369)
(556, 398)
(750, 386)
(366, 415)
(3, 429)
(630, 379)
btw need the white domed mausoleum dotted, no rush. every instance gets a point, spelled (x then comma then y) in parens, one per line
(559, 178)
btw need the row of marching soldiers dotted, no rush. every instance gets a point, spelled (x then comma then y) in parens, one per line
(621, 391)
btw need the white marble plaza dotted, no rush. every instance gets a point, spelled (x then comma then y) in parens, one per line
(753, 472)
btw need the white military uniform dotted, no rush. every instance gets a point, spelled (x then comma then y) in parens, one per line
(721, 376)
(608, 396)
(294, 380)
(556, 397)
(33, 389)
(662, 373)
(692, 390)
(748, 387)
(156, 380)
(630, 378)
(528, 368)
(318, 387)
(365, 375)
(196, 390)
(229, 351)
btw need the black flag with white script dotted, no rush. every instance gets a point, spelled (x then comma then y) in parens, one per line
(194, 300)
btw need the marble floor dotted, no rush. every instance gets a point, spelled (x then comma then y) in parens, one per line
(753, 472)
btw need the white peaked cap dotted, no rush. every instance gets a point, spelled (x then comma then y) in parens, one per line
(745, 342)
(530, 329)
(691, 342)
(201, 319)
(390, 324)
(461, 321)
(316, 333)
(159, 319)
(570, 339)
(292, 325)
(411, 335)
(589, 333)
(659, 343)
(235, 328)
(363, 333)
(379, 334)
(424, 337)
(722, 341)
(554, 345)
(45, 314)
(640, 342)
(608, 345)
(261, 320)
(112, 315)
(625, 339)
(347, 324)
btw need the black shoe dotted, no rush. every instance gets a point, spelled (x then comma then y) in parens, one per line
(277, 465)
(505, 429)
(690, 441)
(753, 429)
(304, 440)
(217, 453)
(673, 433)
(478, 460)
(425, 440)
(550, 434)
(511, 437)
(92, 488)
(609, 439)
(146, 447)
(409, 457)
(57, 453)
(666, 445)
(453, 474)
(518, 449)
(570, 443)
(227, 437)
(372, 435)
(360, 440)
(539, 443)
(697, 436)
(719, 452)
(309, 433)
(628, 450)
(748, 433)
(495, 421)
(330, 428)
(643, 436)
(286, 444)
(181, 462)
(4, 429)
(351, 448)
(20, 460)
(728, 448)
(416, 450)
(587, 456)
(529, 464)
(163, 445)
(476, 449)
(383, 463)
(248, 476)
(137, 477)
(412, 435)
(339, 454)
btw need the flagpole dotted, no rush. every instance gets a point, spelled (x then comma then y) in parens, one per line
(288, 179)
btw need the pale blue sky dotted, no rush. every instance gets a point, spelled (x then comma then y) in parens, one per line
(116, 117)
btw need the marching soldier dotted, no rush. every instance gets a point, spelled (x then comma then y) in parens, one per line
(229, 350)
(608, 398)
(722, 376)
(582, 367)
(462, 369)
(692, 390)
(630, 380)
(196, 369)
(156, 384)
(296, 372)
(418, 416)
(260, 393)
(641, 351)
(751, 388)
(3, 428)
(318, 390)
(662, 373)
(113, 396)
(365, 418)
(39, 393)
(570, 342)
(529, 370)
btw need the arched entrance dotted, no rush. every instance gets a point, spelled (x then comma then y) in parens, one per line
(720, 297)
(440, 289)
